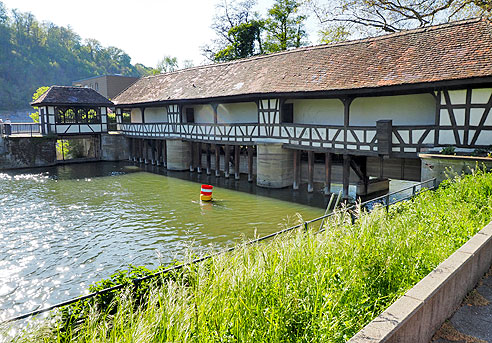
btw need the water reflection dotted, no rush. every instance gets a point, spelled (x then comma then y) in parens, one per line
(68, 226)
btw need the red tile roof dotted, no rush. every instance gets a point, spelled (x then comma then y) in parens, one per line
(65, 95)
(453, 51)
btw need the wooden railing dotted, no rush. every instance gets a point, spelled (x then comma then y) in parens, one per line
(317, 136)
(412, 139)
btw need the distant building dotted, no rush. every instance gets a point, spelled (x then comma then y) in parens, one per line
(108, 86)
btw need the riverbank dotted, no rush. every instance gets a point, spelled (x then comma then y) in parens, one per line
(301, 287)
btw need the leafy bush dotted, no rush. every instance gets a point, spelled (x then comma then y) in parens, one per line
(449, 150)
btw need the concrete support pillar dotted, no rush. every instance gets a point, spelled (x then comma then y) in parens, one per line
(158, 152)
(192, 156)
(140, 150)
(131, 144)
(381, 166)
(199, 157)
(346, 176)
(209, 159)
(237, 160)
(310, 186)
(146, 151)
(164, 153)
(153, 147)
(250, 163)
(178, 154)
(297, 169)
(274, 165)
(217, 160)
(227, 158)
(328, 161)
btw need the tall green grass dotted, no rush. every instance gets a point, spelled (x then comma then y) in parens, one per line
(300, 287)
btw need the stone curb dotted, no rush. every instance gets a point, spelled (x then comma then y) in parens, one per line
(417, 315)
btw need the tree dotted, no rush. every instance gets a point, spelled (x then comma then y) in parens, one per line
(188, 64)
(167, 64)
(238, 31)
(40, 91)
(244, 38)
(284, 26)
(334, 34)
(34, 53)
(377, 16)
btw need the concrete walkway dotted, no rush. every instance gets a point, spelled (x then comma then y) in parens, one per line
(472, 322)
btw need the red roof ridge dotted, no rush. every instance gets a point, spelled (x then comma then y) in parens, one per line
(330, 45)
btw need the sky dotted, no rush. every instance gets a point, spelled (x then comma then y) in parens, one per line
(147, 30)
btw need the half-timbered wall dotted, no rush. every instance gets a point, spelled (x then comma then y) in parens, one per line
(318, 111)
(136, 115)
(464, 117)
(268, 116)
(173, 114)
(415, 109)
(156, 115)
(243, 112)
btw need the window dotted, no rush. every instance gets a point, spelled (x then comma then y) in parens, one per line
(64, 115)
(97, 86)
(287, 113)
(190, 115)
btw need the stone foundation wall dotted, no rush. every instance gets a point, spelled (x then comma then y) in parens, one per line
(442, 166)
(27, 152)
(114, 147)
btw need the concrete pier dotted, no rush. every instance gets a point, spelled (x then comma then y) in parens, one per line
(178, 154)
(274, 166)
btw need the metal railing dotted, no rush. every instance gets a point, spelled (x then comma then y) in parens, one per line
(24, 129)
(385, 200)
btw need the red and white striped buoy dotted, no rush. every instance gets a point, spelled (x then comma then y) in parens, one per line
(206, 193)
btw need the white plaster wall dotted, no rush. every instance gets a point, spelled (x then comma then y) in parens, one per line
(318, 111)
(136, 115)
(243, 112)
(156, 115)
(415, 109)
(203, 113)
(481, 95)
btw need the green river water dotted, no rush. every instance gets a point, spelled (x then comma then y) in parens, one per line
(65, 227)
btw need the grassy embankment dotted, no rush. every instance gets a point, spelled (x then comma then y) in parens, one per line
(301, 286)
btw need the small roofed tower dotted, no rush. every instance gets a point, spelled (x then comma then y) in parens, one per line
(67, 110)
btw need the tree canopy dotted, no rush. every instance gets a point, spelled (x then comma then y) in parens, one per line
(241, 32)
(34, 54)
(371, 17)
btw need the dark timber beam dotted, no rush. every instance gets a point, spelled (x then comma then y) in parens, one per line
(328, 163)
(192, 156)
(199, 157)
(214, 108)
(297, 169)
(346, 117)
(227, 159)
(209, 159)
(142, 110)
(346, 176)
(250, 163)
(164, 153)
(140, 150)
(310, 187)
(237, 160)
(159, 152)
(152, 146)
(217, 160)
